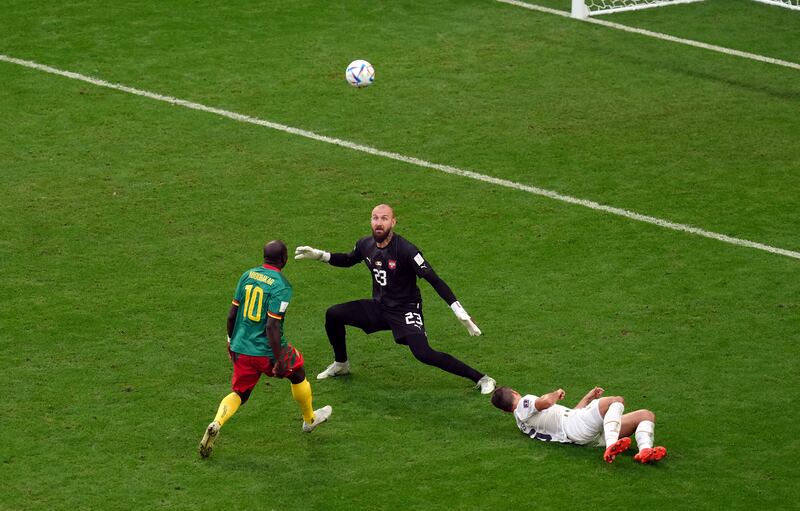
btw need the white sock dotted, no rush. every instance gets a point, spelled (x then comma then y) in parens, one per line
(612, 422)
(644, 435)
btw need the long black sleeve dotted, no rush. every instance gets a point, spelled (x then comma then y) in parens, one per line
(439, 285)
(343, 260)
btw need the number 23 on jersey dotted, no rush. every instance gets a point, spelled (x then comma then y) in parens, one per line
(380, 276)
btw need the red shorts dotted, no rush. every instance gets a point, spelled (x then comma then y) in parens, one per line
(247, 369)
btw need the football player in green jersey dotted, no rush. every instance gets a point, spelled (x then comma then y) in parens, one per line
(257, 344)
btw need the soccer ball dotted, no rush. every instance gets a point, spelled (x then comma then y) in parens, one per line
(359, 73)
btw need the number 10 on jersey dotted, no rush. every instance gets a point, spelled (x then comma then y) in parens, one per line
(253, 300)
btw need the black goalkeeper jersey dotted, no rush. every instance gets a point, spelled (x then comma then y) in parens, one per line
(395, 269)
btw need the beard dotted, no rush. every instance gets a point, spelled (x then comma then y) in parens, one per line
(380, 238)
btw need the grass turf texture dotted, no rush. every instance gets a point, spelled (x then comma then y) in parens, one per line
(126, 223)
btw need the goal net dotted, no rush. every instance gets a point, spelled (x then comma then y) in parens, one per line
(586, 8)
(791, 4)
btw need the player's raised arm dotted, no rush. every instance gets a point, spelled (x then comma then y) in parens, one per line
(549, 399)
(334, 259)
(306, 252)
(590, 396)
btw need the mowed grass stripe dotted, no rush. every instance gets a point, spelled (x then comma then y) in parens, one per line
(408, 159)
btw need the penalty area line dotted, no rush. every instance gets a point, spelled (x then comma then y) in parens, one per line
(447, 169)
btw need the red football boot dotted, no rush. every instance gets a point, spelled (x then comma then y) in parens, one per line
(648, 455)
(617, 447)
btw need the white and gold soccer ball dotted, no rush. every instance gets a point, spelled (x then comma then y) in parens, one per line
(360, 73)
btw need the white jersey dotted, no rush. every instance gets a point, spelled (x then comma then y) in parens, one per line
(546, 425)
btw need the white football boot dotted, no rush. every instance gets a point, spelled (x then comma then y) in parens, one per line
(207, 443)
(320, 416)
(335, 369)
(487, 384)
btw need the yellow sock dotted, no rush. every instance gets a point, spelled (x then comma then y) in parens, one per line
(228, 407)
(301, 392)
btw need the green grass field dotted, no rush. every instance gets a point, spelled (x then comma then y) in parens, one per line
(125, 223)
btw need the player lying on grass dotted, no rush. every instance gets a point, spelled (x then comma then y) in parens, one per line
(594, 420)
(394, 264)
(257, 345)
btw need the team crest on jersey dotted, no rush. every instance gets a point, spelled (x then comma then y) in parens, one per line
(526, 403)
(392, 264)
(378, 264)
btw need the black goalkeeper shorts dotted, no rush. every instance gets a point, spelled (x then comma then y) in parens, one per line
(370, 316)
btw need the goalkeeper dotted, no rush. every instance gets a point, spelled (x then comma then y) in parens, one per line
(394, 264)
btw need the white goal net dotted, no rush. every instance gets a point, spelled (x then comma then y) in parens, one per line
(791, 4)
(585, 8)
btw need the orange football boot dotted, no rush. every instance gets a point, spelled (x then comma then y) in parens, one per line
(648, 455)
(617, 447)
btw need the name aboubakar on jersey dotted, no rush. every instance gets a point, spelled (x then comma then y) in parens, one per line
(261, 278)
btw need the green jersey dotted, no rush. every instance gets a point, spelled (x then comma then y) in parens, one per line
(262, 293)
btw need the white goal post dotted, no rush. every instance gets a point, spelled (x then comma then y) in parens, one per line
(585, 8)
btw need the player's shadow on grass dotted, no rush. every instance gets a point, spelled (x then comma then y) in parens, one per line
(740, 84)
(692, 71)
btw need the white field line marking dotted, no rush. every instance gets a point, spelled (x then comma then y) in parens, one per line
(407, 159)
(659, 35)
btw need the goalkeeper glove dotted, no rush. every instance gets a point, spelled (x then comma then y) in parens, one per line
(311, 253)
(462, 316)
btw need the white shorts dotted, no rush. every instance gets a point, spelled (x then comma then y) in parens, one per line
(585, 425)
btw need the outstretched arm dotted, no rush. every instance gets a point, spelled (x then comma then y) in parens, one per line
(343, 260)
(335, 259)
(549, 399)
(590, 396)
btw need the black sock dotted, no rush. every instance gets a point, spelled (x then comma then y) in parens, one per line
(336, 336)
(444, 361)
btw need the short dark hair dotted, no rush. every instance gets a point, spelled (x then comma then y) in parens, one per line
(503, 398)
(275, 252)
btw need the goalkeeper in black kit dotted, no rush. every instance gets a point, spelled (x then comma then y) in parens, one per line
(396, 304)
